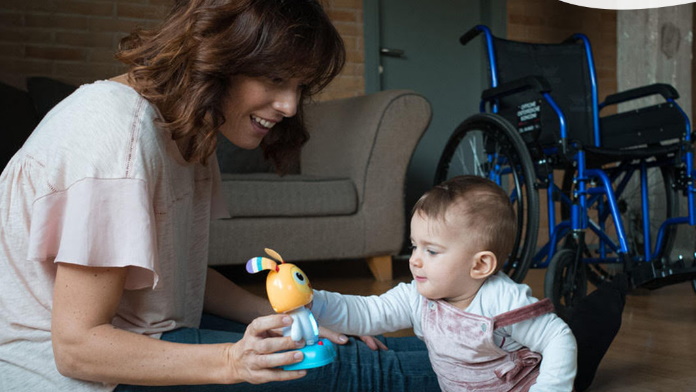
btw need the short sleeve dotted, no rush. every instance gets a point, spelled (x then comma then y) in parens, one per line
(98, 223)
(218, 208)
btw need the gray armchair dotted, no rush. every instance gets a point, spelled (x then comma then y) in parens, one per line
(347, 201)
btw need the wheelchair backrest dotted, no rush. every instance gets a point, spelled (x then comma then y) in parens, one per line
(565, 67)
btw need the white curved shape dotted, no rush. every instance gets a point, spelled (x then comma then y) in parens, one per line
(626, 4)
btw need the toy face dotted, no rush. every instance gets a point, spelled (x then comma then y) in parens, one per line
(288, 288)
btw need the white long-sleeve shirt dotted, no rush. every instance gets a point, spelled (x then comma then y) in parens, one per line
(401, 307)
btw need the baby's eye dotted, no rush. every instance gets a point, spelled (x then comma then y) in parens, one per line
(431, 252)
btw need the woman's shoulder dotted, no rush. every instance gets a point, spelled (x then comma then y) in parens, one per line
(94, 132)
(100, 103)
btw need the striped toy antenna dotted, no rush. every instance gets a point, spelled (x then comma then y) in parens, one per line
(258, 264)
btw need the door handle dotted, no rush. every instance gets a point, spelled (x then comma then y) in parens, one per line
(392, 52)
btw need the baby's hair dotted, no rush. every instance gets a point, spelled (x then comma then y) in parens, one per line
(492, 220)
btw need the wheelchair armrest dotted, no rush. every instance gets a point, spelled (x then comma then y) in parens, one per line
(536, 83)
(666, 90)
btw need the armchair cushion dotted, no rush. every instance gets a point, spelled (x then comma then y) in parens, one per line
(233, 159)
(268, 195)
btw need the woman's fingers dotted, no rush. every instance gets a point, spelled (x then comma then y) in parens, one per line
(263, 325)
(258, 356)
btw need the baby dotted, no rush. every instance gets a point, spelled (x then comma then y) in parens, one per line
(483, 331)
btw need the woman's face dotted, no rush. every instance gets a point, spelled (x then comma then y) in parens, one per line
(255, 105)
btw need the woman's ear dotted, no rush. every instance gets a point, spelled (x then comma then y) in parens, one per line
(484, 265)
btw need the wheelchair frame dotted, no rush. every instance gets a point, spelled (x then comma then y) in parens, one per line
(593, 186)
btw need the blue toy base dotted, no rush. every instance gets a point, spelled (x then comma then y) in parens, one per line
(317, 355)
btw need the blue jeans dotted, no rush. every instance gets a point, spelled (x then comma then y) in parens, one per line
(404, 367)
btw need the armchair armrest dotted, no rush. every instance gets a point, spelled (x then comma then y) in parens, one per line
(369, 139)
(665, 90)
(352, 137)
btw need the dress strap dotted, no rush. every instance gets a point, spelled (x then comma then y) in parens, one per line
(524, 313)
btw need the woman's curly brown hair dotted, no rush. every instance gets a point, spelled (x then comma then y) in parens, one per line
(185, 65)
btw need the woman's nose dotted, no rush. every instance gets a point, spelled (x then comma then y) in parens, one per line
(286, 102)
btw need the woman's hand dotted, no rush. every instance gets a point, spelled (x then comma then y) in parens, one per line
(339, 338)
(255, 358)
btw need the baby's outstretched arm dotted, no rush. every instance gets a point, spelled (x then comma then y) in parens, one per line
(358, 315)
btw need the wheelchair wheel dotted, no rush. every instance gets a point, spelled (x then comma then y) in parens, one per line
(663, 204)
(565, 282)
(487, 145)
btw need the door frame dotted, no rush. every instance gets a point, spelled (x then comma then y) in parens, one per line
(494, 14)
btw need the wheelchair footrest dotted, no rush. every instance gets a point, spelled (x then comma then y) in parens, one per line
(652, 276)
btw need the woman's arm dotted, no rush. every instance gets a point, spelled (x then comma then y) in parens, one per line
(87, 346)
(226, 299)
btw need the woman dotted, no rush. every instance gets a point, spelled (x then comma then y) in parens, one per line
(105, 213)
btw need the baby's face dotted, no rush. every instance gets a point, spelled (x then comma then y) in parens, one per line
(442, 257)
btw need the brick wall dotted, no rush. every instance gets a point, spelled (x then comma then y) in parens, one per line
(74, 40)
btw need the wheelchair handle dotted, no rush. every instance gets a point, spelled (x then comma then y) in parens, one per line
(469, 35)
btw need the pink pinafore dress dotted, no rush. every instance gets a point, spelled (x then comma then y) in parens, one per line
(464, 355)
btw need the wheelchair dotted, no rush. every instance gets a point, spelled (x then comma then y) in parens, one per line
(612, 183)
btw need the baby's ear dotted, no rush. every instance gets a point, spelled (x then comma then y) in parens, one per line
(484, 265)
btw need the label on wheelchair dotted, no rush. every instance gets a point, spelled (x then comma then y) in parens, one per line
(529, 116)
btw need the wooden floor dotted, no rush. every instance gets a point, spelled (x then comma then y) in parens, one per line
(655, 349)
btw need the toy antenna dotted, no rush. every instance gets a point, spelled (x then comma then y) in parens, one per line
(258, 264)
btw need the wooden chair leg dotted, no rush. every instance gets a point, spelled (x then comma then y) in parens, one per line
(381, 267)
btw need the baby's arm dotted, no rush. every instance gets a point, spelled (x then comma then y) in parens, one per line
(358, 315)
(546, 334)
(551, 337)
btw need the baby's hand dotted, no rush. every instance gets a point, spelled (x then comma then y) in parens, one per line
(373, 343)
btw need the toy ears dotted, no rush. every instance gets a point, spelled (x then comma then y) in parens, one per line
(258, 264)
(274, 254)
